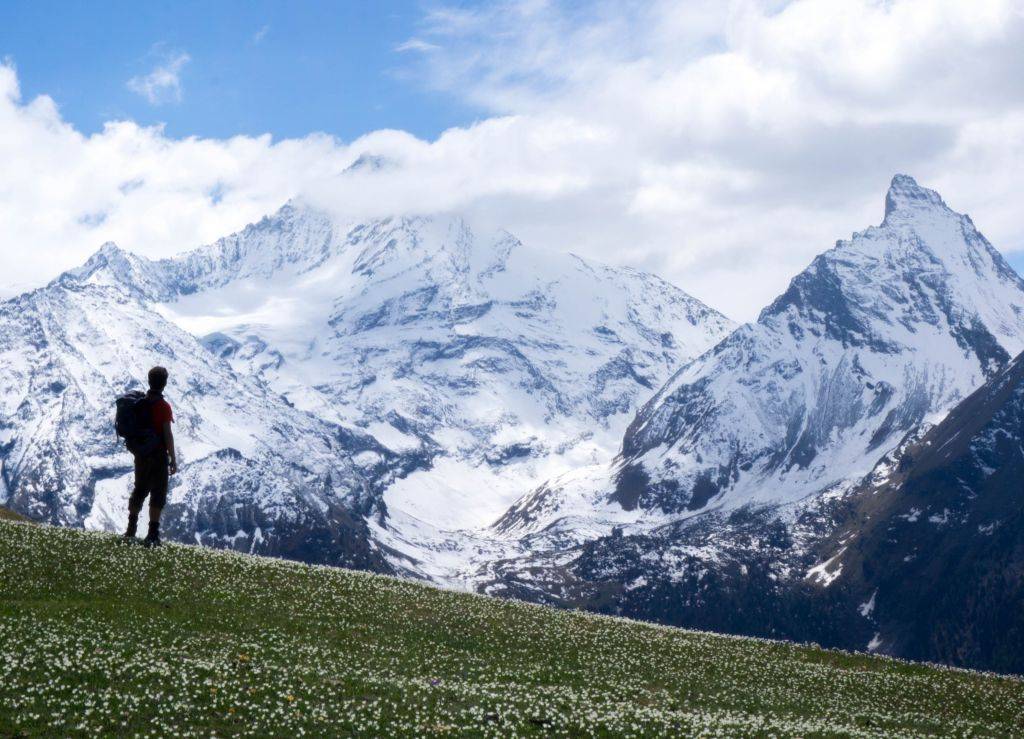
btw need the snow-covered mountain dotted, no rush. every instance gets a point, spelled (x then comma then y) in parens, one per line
(879, 334)
(254, 469)
(498, 365)
(481, 366)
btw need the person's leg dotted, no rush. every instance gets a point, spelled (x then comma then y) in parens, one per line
(157, 499)
(138, 497)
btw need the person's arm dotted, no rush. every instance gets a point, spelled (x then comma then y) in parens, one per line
(169, 443)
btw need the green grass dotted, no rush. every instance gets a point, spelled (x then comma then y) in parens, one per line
(9, 515)
(101, 638)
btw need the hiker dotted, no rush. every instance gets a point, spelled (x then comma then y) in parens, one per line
(144, 420)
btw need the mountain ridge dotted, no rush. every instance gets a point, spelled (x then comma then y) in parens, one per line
(900, 301)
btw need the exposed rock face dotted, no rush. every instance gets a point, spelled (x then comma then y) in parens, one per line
(933, 548)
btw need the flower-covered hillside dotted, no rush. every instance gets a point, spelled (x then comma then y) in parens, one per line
(98, 638)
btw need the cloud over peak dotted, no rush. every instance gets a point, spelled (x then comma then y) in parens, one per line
(720, 145)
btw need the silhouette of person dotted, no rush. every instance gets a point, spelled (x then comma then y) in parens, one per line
(153, 469)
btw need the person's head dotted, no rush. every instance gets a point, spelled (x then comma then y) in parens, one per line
(157, 379)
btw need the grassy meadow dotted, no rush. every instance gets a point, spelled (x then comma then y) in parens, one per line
(100, 638)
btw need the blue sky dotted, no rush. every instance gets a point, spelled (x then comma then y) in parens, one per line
(253, 67)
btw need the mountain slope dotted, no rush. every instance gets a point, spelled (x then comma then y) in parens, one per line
(934, 544)
(255, 472)
(102, 639)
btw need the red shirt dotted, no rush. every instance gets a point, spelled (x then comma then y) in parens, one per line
(162, 414)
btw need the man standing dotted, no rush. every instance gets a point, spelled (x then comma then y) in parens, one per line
(153, 461)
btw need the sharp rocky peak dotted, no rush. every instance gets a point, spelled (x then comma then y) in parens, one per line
(109, 250)
(924, 261)
(109, 254)
(294, 210)
(905, 197)
(109, 263)
(878, 333)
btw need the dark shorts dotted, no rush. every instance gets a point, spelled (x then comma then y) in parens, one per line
(151, 480)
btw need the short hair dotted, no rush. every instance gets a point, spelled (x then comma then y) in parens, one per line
(157, 379)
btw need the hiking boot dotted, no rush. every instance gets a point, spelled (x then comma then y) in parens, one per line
(153, 537)
(133, 525)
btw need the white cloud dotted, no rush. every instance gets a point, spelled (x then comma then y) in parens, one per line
(163, 84)
(744, 137)
(415, 44)
(261, 34)
(720, 145)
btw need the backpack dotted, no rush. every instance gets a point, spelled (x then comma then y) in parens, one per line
(134, 423)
